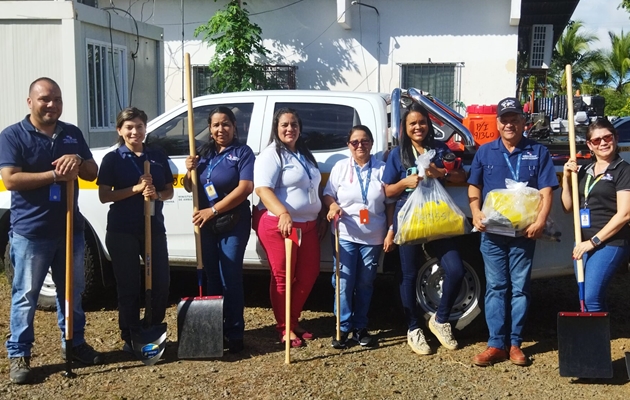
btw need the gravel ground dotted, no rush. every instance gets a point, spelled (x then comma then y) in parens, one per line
(318, 371)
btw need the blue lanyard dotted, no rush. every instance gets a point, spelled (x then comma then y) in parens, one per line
(301, 161)
(364, 190)
(131, 158)
(515, 175)
(211, 166)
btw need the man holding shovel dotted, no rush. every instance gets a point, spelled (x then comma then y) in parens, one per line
(36, 156)
(508, 260)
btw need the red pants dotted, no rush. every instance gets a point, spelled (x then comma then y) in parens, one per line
(304, 267)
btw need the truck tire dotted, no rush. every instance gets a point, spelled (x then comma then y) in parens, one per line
(469, 302)
(47, 296)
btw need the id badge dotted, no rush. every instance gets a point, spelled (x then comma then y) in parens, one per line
(312, 196)
(55, 192)
(585, 218)
(364, 216)
(211, 192)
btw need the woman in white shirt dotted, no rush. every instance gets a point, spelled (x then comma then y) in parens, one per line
(355, 192)
(286, 179)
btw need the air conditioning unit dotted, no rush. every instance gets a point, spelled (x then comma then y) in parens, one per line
(541, 46)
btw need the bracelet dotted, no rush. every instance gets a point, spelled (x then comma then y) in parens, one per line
(282, 213)
(391, 227)
(54, 176)
(80, 158)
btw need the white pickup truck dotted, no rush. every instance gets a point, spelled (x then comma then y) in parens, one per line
(327, 117)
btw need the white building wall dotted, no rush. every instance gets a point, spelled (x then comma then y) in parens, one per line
(308, 35)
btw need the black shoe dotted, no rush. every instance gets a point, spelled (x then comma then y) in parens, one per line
(85, 354)
(342, 343)
(235, 345)
(20, 370)
(363, 337)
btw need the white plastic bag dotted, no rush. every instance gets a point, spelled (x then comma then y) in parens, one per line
(429, 212)
(509, 211)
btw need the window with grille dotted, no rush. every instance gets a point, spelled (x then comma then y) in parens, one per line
(437, 79)
(276, 76)
(107, 83)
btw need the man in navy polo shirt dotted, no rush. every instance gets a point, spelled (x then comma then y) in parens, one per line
(508, 260)
(37, 157)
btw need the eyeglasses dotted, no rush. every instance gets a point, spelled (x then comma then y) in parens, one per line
(606, 138)
(364, 143)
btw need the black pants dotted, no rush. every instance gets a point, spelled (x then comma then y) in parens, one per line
(125, 250)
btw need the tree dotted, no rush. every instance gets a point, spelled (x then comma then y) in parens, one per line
(614, 68)
(573, 48)
(237, 44)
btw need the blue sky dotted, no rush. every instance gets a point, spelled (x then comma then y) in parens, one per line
(601, 16)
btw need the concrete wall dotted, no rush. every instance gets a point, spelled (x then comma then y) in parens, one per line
(481, 34)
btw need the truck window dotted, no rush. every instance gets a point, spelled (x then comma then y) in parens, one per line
(324, 126)
(172, 135)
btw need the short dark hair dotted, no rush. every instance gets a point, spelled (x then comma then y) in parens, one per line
(44, 79)
(128, 114)
(600, 123)
(360, 128)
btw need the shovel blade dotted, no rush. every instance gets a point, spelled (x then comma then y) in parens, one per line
(148, 343)
(584, 345)
(200, 327)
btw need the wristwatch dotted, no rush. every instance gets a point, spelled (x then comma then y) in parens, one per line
(595, 240)
(214, 211)
(80, 158)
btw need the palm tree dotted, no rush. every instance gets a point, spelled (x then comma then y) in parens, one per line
(614, 68)
(573, 48)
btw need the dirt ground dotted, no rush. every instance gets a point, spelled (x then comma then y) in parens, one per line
(390, 371)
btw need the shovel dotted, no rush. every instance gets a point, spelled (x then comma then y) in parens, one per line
(148, 342)
(337, 344)
(69, 277)
(294, 237)
(583, 337)
(199, 319)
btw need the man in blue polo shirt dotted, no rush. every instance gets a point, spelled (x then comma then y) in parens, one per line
(37, 157)
(508, 260)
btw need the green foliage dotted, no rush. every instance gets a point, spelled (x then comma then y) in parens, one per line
(238, 44)
(617, 103)
(614, 68)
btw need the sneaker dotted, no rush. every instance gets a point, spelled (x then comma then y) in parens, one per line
(128, 348)
(417, 342)
(363, 337)
(85, 354)
(235, 345)
(443, 333)
(20, 370)
(342, 343)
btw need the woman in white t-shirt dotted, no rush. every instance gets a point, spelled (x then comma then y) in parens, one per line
(355, 192)
(286, 179)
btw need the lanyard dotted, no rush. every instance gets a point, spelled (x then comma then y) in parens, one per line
(588, 187)
(301, 161)
(364, 190)
(515, 174)
(211, 166)
(131, 158)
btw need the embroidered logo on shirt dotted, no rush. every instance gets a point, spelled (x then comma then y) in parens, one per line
(530, 156)
(607, 177)
(70, 140)
(232, 157)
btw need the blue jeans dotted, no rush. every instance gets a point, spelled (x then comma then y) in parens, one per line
(223, 262)
(31, 259)
(599, 268)
(125, 250)
(508, 265)
(410, 258)
(358, 263)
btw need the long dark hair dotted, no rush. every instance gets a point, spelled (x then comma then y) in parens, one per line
(210, 146)
(407, 155)
(300, 144)
(129, 114)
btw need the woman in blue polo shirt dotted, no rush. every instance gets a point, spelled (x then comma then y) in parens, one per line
(418, 138)
(122, 181)
(225, 169)
(604, 189)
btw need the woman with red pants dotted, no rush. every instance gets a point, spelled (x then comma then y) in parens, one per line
(286, 179)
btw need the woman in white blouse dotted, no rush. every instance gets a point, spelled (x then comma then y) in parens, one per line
(355, 192)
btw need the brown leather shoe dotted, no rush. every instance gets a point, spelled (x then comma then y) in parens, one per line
(490, 356)
(517, 357)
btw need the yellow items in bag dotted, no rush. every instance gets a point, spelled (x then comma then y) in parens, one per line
(434, 219)
(519, 207)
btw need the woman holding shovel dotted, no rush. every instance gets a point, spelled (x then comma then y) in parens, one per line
(355, 192)
(122, 181)
(401, 178)
(604, 193)
(225, 169)
(287, 181)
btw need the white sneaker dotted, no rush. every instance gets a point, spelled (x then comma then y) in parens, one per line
(443, 333)
(417, 342)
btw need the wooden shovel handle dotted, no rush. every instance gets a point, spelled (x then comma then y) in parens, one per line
(69, 259)
(288, 247)
(147, 236)
(337, 278)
